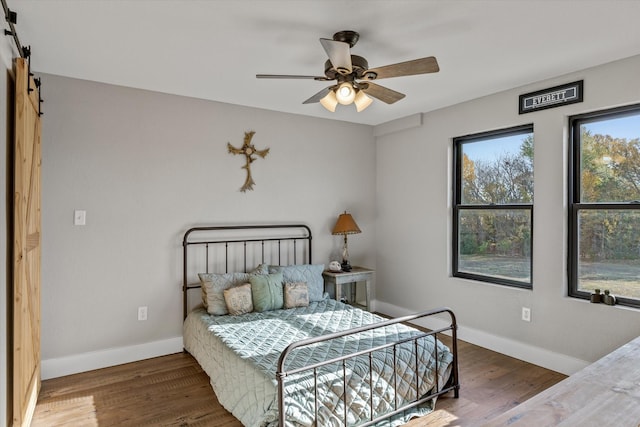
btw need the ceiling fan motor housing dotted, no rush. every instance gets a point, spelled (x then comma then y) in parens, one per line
(358, 64)
(347, 36)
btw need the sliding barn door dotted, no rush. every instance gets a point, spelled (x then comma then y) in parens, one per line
(26, 249)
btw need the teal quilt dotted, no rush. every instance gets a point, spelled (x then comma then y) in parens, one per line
(240, 355)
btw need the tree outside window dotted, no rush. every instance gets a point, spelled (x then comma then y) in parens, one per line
(493, 206)
(604, 222)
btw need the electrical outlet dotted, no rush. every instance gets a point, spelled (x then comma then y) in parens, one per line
(79, 217)
(142, 313)
(526, 314)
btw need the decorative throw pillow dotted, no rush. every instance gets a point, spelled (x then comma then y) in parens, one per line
(266, 291)
(238, 299)
(213, 285)
(260, 269)
(309, 273)
(203, 290)
(296, 295)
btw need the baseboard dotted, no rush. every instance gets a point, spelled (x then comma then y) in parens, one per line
(67, 365)
(538, 356)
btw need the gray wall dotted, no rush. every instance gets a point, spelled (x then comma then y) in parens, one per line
(146, 167)
(414, 170)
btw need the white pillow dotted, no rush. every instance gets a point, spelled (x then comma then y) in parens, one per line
(238, 299)
(296, 295)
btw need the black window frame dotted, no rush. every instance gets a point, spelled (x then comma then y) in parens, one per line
(576, 205)
(458, 207)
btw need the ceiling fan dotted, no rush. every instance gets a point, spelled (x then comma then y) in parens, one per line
(354, 77)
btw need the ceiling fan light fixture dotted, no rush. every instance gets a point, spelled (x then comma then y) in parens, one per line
(362, 101)
(329, 101)
(352, 75)
(346, 93)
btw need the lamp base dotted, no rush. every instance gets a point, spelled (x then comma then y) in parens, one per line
(345, 265)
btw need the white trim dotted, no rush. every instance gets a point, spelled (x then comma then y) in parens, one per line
(538, 356)
(67, 365)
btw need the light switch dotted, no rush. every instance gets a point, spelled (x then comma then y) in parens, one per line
(79, 217)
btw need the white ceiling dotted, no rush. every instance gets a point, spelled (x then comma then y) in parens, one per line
(212, 49)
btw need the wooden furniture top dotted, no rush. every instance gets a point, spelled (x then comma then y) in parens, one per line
(605, 393)
(350, 276)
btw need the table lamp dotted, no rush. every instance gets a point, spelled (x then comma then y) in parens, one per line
(345, 225)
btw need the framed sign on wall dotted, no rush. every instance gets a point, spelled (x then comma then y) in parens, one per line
(556, 96)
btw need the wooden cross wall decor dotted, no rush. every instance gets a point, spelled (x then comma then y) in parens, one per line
(249, 151)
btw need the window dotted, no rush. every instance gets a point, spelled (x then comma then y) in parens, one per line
(493, 206)
(604, 204)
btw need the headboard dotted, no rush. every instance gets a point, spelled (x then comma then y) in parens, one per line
(233, 248)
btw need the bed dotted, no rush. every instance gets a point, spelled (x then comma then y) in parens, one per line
(304, 362)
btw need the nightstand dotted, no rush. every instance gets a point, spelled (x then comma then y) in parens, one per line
(357, 274)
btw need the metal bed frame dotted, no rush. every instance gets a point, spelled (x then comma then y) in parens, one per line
(210, 242)
(291, 236)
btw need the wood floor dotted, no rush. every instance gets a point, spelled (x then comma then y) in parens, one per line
(173, 391)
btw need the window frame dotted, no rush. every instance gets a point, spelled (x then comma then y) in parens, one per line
(459, 207)
(576, 205)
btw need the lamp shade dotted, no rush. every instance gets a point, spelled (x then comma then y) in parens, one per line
(362, 101)
(330, 101)
(346, 225)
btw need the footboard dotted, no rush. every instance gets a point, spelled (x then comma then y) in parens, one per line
(356, 369)
(368, 356)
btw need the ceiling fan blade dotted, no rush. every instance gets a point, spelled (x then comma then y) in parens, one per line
(318, 96)
(382, 93)
(408, 68)
(339, 54)
(291, 76)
